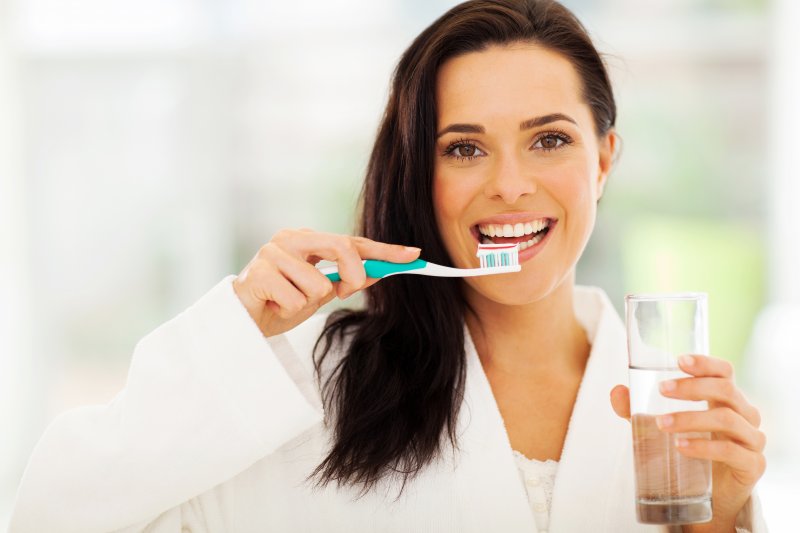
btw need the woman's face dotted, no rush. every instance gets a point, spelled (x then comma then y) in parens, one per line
(516, 149)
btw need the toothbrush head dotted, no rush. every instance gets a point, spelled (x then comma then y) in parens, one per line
(498, 255)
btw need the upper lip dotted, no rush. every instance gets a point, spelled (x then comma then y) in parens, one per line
(512, 218)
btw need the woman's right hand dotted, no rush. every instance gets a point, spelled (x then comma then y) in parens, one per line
(280, 288)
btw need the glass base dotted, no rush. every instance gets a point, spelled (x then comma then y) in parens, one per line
(655, 512)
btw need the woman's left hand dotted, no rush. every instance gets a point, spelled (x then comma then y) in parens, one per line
(736, 446)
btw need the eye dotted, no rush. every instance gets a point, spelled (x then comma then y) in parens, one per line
(552, 141)
(463, 150)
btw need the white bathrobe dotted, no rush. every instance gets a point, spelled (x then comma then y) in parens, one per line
(218, 428)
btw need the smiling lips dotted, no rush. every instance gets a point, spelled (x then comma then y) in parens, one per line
(527, 234)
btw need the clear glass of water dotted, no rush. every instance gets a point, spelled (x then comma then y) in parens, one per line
(670, 488)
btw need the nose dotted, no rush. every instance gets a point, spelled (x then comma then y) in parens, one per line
(508, 181)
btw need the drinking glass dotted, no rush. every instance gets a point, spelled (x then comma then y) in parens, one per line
(670, 488)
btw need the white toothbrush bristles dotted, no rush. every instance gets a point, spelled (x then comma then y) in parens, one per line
(498, 255)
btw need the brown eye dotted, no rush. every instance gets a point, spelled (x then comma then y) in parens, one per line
(550, 142)
(467, 150)
(463, 150)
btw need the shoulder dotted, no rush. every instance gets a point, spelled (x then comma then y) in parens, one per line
(595, 311)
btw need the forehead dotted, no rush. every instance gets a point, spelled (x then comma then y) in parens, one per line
(519, 80)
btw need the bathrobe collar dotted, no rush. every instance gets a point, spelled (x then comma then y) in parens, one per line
(593, 485)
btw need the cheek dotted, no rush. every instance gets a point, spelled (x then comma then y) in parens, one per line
(578, 195)
(451, 197)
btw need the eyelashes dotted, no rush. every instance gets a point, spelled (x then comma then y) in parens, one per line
(547, 141)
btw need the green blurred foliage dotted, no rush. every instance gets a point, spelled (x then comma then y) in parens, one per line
(724, 259)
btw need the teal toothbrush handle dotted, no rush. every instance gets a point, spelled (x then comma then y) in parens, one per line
(381, 269)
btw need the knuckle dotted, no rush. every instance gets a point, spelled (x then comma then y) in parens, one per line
(728, 388)
(762, 439)
(761, 464)
(298, 304)
(756, 416)
(286, 236)
(324, 289)
(347, 244)
(260, 272)
(316, 293)
(281, 235)
(727, 368)
(268, 250)
(726, 416)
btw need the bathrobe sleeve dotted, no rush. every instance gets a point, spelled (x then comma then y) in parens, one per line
(206, 397)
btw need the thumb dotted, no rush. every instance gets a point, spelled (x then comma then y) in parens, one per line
(620, 401)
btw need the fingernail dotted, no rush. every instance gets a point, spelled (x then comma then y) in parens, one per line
(686, 360)
(664, 421)
(413, 249)
(681, 443)
(668, 386)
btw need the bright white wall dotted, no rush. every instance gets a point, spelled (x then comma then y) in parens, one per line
(775, 347)
(18, 397)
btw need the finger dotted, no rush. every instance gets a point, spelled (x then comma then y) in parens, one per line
(353, 273)
(395, 253)
(310, 245)
(311, 282)
(705, 365)
(620, 401)
(717, 390)
(749, 465)
(273, 286)
(306, 243)
(721, 420)
(369, 283)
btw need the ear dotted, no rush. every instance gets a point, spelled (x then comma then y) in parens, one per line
(607, 149)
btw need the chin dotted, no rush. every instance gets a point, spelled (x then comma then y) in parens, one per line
(510, 289)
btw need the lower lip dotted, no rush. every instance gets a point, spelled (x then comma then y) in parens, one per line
(531, 251)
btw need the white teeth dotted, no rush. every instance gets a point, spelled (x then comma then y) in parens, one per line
(531, 242)
(513, 230)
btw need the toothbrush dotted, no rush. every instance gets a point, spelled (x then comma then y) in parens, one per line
(495, 259)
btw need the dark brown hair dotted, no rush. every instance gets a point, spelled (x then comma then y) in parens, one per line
(393, 398)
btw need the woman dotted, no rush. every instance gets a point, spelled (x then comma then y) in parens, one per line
(449, 404)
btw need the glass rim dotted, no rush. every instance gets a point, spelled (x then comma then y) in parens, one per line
(670, 296)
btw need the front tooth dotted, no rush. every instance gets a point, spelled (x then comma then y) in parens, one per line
(519, 229)
(508, 230)
(490, 229)
(528, 228)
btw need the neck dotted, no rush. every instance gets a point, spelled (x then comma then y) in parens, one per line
(542, 336)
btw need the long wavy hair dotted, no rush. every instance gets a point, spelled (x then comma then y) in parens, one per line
(392, 399)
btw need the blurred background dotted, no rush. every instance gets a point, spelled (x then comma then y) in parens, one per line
(149, 148)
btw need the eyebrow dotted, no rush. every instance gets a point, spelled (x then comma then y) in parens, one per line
(524, 125)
